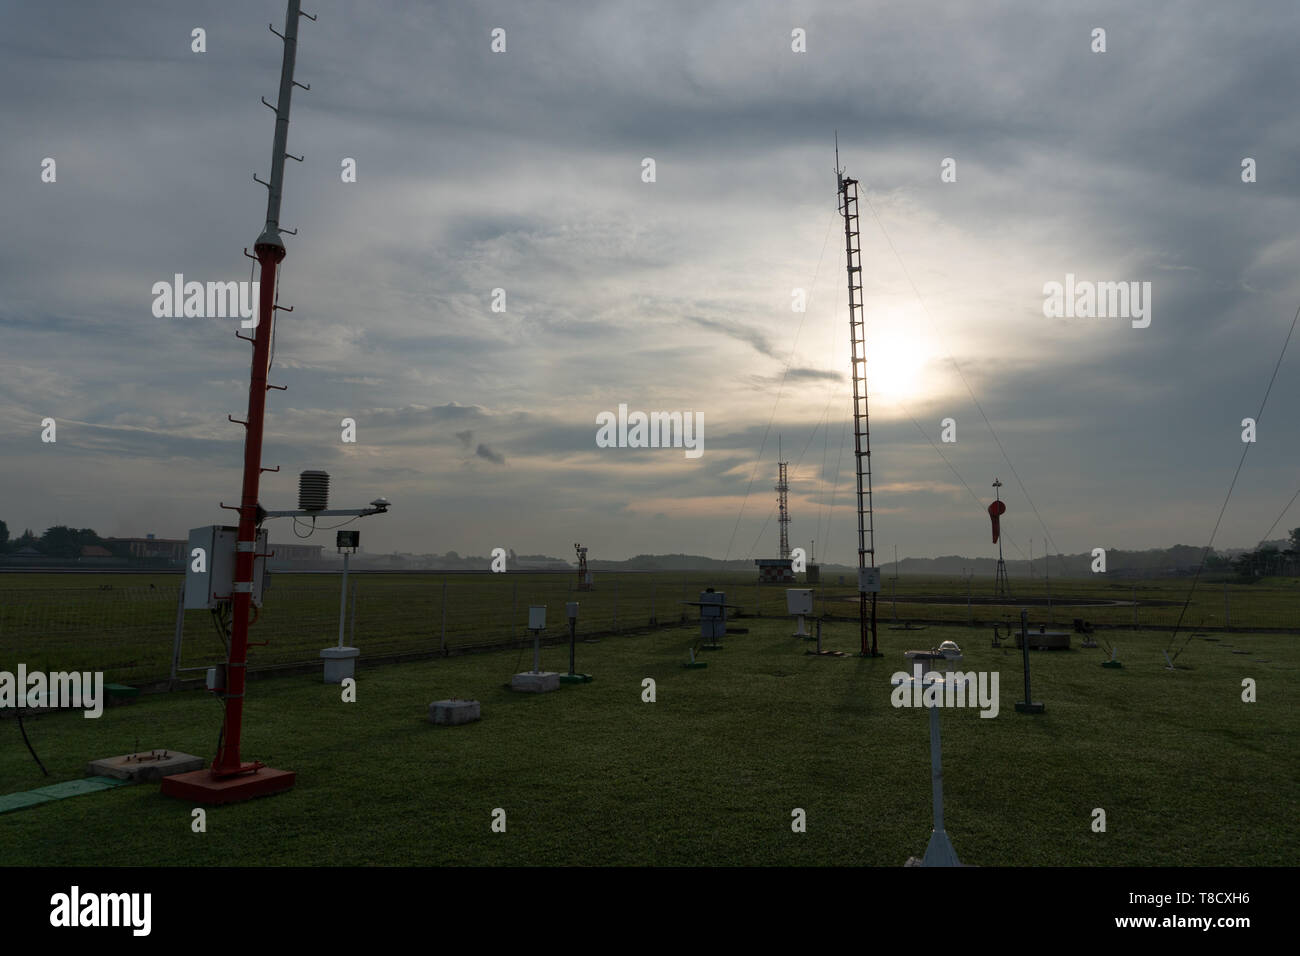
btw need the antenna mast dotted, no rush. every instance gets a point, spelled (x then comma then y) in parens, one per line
(783, 489)
(228, 780)
(848, 199)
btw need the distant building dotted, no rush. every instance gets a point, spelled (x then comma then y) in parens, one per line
(151, 548)
(297, 552)
(94, 551)
(540, 564)
(775, 570)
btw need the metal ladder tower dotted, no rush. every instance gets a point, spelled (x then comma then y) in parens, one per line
(783, 490)
(848, 198)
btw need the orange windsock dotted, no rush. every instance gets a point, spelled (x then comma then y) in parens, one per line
(996, 509)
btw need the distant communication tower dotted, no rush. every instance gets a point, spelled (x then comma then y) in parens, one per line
(584, 576)
(868, 576)
(782, 502)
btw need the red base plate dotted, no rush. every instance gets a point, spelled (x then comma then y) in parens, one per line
(199, 786)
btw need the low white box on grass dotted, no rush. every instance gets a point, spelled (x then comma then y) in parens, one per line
(453, 712)
(538, 683)
(340, 663)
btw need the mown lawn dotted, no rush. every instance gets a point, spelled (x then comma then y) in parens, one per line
(710, 772)
(124, 624)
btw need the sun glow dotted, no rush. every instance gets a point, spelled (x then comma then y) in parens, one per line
(896, 366)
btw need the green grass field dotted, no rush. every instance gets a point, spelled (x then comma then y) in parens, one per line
(124, 625)
(1187, 773)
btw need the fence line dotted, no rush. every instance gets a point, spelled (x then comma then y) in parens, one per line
(129, 632)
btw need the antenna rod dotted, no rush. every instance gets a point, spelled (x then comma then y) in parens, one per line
(271, 234)
(270, 252)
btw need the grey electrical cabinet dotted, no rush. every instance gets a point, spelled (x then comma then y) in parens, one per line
(210, 566)
(713, 614)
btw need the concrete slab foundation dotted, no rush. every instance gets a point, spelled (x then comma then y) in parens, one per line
(147, 765)
(453, 712)
(340, 663)
(538, 683)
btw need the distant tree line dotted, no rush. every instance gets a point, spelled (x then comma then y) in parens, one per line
(1270, 559)
(59, 541)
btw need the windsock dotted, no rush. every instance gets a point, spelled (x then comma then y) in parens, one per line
(996, 509)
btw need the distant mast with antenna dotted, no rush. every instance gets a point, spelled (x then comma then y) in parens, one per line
(782, 501)
(848, 200)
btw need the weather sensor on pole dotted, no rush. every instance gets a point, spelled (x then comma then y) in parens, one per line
(584, 576)
(537, 681)
(573, 677)
(340, 660)
(939, 851)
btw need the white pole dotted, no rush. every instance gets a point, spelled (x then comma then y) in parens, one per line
(352, 627)
(939, 851)
(1047, 576)
(343, 601)
(936, 770)
(180, 632)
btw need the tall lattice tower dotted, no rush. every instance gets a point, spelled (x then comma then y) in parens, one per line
(782, 501)
(868, 580)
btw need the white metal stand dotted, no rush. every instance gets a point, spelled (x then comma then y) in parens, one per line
(343, 602)
(939, 851)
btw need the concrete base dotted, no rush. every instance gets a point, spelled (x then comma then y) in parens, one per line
(538, 683)
(340, 663)
(200, 786)
(453, 712)
(1031, 708)
(147, 765)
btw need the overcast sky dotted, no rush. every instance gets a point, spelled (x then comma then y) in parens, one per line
(522, 170)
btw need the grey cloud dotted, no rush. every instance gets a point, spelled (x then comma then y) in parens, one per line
(484, 452)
